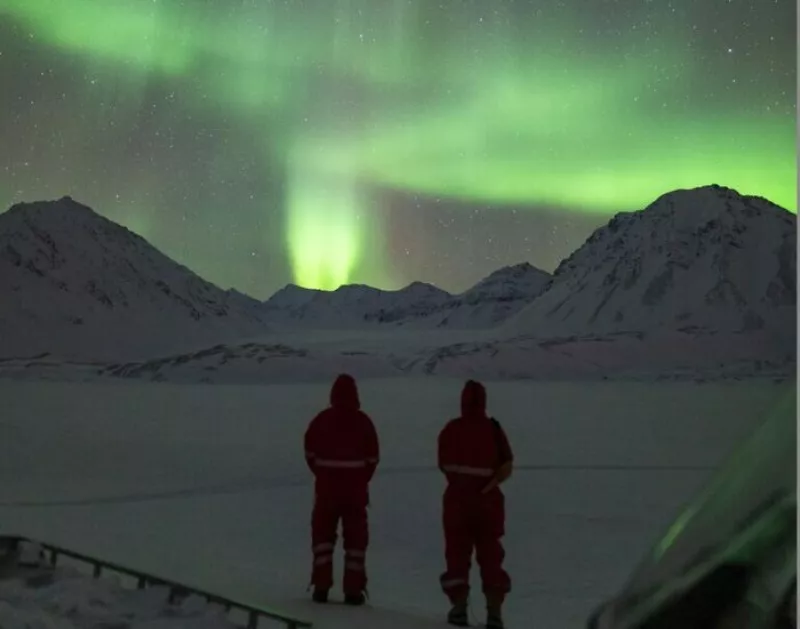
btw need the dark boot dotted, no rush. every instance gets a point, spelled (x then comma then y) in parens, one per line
(494, 611)
(457, 616)
(494, 619)
(355, 599)
(320, 595)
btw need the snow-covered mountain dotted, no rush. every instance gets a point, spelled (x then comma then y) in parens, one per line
(291, 298)
(701, 259)
(491, 301)
(352, 305)
(418, 305)
(520, 282)
(77, 284)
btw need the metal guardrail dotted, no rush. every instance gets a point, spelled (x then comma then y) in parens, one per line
(145, 579)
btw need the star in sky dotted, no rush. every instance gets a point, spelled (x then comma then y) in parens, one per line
(387, 141)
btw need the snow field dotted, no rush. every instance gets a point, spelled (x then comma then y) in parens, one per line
(207, 484)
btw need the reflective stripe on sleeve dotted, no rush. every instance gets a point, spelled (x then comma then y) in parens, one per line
(468, 471)
(340, 464)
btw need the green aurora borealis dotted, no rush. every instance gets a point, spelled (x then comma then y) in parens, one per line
(555, 107)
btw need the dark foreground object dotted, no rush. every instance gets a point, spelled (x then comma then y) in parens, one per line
(11, 545)
(728, 561)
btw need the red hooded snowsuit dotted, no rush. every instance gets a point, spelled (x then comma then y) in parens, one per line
(342, 451)
(471, 449)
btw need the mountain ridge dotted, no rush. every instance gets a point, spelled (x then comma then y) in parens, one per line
(418, 304)
(77, 277)
(706, 259)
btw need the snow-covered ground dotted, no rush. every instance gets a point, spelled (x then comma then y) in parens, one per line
(320, 356)
(68, 599)
(207, 484)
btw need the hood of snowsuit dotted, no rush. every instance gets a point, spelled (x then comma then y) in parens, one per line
(473, 399)
(344, 393)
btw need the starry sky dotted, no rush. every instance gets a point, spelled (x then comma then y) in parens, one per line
(323, 142)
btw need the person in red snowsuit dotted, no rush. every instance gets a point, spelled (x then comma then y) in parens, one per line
(341, 448)
(475, 456)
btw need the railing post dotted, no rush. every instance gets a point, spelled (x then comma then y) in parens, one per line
(176, 590)
(252, 620)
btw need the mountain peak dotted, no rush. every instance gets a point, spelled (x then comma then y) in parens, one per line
(707, 202)
(705, 257)
(296, 288)
(419, 289)
(64, 204)
(517, 281)
(290, 296)
(68, 201)
(85, 285)
(418, 284)
(518, 270)
(65, 218)
(355, 288)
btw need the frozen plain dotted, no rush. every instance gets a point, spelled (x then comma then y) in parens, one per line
(207, 483)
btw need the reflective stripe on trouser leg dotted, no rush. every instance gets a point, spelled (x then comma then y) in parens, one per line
(355, 531)
(490, 554)
(458, 545)
(321, 560)
(448, 584)
(355, 566)
(355, 571)
(324, 521)
(322, 571)
(489, 551)
(456, 588)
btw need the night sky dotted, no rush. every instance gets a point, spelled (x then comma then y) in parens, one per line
(384, 141)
